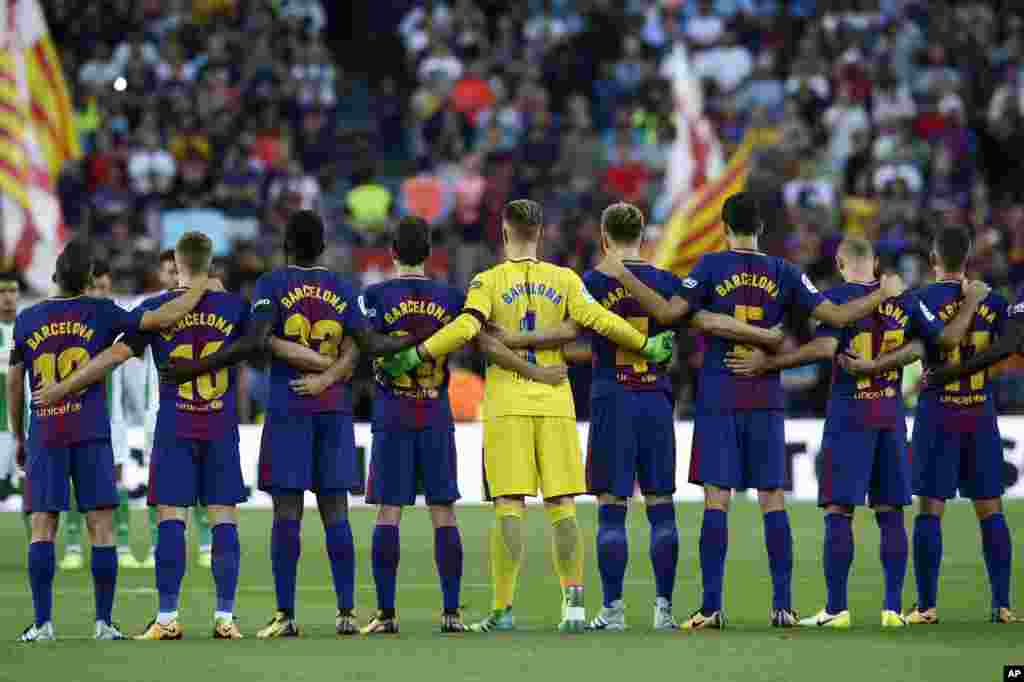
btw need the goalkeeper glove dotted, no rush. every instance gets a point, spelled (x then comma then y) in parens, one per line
(658, 349)
(402, 362)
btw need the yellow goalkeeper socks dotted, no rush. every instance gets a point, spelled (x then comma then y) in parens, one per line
(506, 552)
(566, 543)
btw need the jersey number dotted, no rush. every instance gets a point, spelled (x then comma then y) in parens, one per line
(746, 313)
(863, 346)
(327, 333)
(979, 341)
(49, 368)
(211, 387)
(429, 374)
(624, 357)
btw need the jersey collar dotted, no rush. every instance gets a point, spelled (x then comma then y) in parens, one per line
(66, 298)
(311, 267)
(756, 251)
(420, 277)
(524, 259)
(949, 281)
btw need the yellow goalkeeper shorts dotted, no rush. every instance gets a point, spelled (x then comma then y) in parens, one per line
(523, 454)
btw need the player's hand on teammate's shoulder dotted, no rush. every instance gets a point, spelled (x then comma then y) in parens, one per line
(855, 365)
(892, 285)
(975, 290)
(750, 361)
(310, 384)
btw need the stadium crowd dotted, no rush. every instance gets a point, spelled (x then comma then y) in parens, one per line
(898, 117)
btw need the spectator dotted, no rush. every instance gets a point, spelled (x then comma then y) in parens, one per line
(727, 65)
(704, 29)
(369, 205)
(842, 120)
(151, 168)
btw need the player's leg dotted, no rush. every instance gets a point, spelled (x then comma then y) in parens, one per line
(436, 466)
(889, 494)
(391, 485)
(716, 463)
(41, 569)
(982, 472)
(221, 490)
(656, 475)
(204, 536)
(764, 450)
(149, 435)
(560, 467)
(334, 474)
(73, 559)
(95, 485)
(285, 472)
(611, 472)
(153, 522)
(122, 513)
(935, 475)
(510, 474)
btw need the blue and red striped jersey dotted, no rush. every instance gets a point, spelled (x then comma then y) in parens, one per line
(412, 306)
(314, 307)
(617, 368)
(204, 408)
(51, 340)
(755, 288)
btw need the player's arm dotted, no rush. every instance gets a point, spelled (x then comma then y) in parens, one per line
(299, 356)
(666, 311)
(175, 309)
(553, 337)
(179, 370)
(1007, 344)
(956, 329)
(840, 315)
(88, 374)
(578, 353)
(754, 361)
(894, 359)
(728, 327)
(339, 371)
(500, 354)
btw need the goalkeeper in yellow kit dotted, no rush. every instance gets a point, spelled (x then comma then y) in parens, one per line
(530, 437)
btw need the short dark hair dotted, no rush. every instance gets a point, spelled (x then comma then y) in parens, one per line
(524, 217)
(166, 255)
(74, 267)
(623, 222)
(195, 250)
(304, 236)
(100, 268)
(412, 240)
(952, 246)
(742, 213)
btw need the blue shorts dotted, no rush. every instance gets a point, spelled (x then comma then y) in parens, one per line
(50, 471)
(315, 452)
(187, 471)
(945, 461)
(859, 463)
(632, 441)
(739, 450)
(405, 462)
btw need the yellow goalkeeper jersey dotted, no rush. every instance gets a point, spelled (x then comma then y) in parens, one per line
(527, 295)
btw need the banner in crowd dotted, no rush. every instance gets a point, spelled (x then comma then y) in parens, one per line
(695, 227)
(37, 135)
(803, 446)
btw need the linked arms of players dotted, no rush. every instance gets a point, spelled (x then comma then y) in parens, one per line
(670, 312)
(501, 355)
(1006, 345)
(754, 361)
(327, 373)
(175, 309)
(91, 372)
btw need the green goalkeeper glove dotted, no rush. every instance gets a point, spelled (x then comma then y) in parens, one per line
(402, 362)
(658, 349)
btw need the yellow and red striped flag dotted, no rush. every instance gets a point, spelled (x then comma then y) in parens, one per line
(695, 227)
(37, 135)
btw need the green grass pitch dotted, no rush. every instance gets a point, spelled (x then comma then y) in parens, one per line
(963, 647)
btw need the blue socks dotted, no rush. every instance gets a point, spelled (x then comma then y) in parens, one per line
(714, 543)
(998, 550)
(664, 548)
(386, 551)
(448, 557)
(104, 580)
(170, 563)
(893, 551)
(41, 567)
(341, 551)
(927, 559)
(838, 557)
(285, 548)
(612, 550)
(226, 559)
(778, 540)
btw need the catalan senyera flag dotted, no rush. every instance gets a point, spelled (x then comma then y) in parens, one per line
(37, 135)
(695, 227)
